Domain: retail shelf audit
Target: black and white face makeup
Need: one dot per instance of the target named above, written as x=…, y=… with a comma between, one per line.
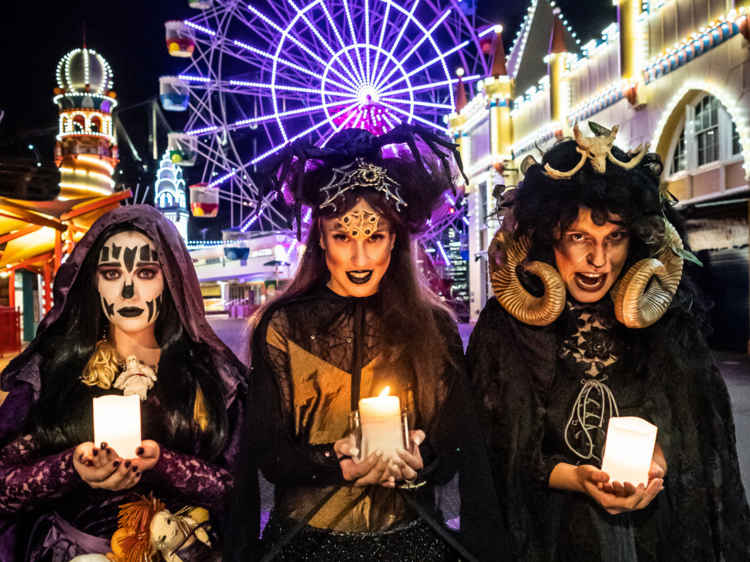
x=130, y=281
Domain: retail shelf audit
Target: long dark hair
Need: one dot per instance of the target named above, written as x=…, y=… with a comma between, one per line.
x=414, y=325
x=62, y=417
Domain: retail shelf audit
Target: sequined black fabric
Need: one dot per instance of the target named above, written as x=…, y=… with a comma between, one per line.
x=416, y=542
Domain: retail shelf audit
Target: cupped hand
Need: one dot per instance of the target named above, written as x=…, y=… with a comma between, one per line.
x=622, y=497
x=372, y=470
x=102, y=467
x=624, y=489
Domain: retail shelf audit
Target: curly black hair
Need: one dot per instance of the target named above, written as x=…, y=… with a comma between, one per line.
x=542, y=207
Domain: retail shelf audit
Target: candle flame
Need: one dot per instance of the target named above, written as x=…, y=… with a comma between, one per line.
x=385, y=392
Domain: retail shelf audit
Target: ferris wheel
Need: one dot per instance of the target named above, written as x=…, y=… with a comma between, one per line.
x=260, y=75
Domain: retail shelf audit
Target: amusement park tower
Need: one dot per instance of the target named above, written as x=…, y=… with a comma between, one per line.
x=86, y=152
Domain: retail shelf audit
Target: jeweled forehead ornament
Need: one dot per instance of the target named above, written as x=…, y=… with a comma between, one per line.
x=359, y=224
x=361, y=174
x=598, y=149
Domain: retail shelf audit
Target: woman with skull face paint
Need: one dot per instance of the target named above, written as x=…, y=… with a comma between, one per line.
x=127, y=319
x=594, y=318
x=354, y=320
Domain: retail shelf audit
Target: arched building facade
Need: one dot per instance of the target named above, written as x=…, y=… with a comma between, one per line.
x=674, y=73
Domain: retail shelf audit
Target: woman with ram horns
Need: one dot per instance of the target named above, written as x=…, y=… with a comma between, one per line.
x=594, y=317
x=355, y=320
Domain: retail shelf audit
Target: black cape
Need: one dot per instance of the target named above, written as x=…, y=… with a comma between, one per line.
x=701, y=515
x=279, y=442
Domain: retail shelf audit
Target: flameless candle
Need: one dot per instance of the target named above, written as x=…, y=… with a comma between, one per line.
x=629, y=449
x=117, y=422
x=381, y=424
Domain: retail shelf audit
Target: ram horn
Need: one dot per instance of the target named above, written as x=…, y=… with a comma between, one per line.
x=639, y=301
x=505, y=255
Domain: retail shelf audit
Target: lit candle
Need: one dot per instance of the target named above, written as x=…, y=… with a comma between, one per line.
x=117, y=422
x=381, y=424
x=629, y=449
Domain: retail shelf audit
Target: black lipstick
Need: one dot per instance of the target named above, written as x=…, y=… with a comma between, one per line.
x=359, y=277
x=130, y=311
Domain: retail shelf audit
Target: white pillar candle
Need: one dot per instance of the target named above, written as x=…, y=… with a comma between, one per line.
x=117, y=422
x=629, y=449
x=381, y=424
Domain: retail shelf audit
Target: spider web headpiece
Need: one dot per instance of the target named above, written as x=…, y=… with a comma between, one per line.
x=363, y=174
x=355, y=159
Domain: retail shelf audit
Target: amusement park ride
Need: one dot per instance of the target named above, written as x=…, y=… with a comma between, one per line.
x=261, y=75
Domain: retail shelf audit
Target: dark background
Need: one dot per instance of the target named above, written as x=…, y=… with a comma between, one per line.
x=36, y=34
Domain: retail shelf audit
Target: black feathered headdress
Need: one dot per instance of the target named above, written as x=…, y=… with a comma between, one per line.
x=412, y=180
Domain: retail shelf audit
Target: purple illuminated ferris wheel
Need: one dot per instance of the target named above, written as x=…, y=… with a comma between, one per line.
x=263, y=74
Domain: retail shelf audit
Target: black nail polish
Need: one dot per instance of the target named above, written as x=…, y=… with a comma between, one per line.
x=104, y=445
x=116, y=464
x=127, y=464
x=135, y=468
x=140, y=451
x=95, y=452
x=137, y=474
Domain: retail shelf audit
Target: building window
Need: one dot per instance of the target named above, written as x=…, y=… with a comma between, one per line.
x=679, y=158
x=707, y=130
x=736, y=145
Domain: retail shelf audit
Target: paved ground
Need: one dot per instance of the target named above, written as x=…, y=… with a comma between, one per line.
x=735, y=369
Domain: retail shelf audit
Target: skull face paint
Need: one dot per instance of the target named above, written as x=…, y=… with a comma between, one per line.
x=130, y=281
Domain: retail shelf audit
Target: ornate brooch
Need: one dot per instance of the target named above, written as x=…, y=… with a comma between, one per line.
x=361, y=173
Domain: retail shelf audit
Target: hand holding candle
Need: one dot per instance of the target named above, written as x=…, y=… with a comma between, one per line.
x=117, y=422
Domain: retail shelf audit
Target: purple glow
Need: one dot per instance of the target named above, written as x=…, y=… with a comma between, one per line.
x=438, y=58
x=256, y=217
x=422, y=103
x=201, y=131
x=433, y=85
x=400, y=35
x=415, y=47
x=380, y=41
x=321, y=39
x=466, y=221
x=354, y=40
x=290, y=64
x=341, y=41
x=417, y=117
x=193, y=78
x=442, y=252
x=222, y=179
x=302, y=134
x=301, y=111
x=296, y=41
x=199, y=28
x=289, y=88
x=488, y=30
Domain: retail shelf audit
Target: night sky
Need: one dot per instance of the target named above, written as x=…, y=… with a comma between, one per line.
x=36, y=34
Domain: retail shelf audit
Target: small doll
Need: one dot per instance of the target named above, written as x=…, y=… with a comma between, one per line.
x=149, y=532
x=136, y=379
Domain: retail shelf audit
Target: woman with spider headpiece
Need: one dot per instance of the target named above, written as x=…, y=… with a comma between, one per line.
x=354, y=320
x=594, y=318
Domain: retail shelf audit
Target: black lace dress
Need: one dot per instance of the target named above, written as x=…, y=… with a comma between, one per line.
x=313, y=359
